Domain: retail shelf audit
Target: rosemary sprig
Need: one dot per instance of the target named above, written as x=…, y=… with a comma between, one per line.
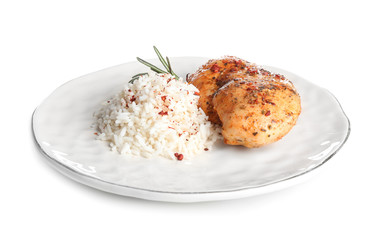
x=170, y=66
x=166, y=64
x=153, y=67
x=160, y=57
x=135, y=77
x=140, y=74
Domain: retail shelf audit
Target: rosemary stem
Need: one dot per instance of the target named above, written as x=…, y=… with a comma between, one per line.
x=170, y=68
x=161, y=58
x=150, y=65
x=139, y=74
x=166, y=64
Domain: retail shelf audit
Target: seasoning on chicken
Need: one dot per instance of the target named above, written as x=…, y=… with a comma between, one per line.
x=213, y=75
x=256, y=113
x=254, y=106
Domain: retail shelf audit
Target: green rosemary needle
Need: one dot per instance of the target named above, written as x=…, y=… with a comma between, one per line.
x=153, y=67
x=135, y=77
x=166, y=64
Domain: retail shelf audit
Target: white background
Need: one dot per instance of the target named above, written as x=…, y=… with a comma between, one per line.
x=46, y=43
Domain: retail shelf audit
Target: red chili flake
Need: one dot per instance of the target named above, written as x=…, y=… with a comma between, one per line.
x=171, y=128
x=179, y=134
x=196, y=93
x=163, y=98
x=237, y=62
x=163, y=113
x=108, y=101
x=268, y=113
x=96, y=134
x=133, y=98
x=255, y=101
x=215, y=68
x=129, y=90
x=252, y=72
x=179, y=156
x=126, y=105
x=277, y=76
x=206, y=149
x=272, y=103
x=265, y=72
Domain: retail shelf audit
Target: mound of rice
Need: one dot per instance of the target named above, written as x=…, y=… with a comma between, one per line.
x=157, y=115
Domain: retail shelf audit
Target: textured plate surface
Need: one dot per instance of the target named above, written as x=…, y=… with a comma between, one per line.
x=62, y=129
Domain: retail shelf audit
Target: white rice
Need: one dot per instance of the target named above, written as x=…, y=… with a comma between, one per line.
x=158, y=115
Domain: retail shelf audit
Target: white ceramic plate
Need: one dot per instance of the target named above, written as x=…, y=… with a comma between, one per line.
x=62, y=130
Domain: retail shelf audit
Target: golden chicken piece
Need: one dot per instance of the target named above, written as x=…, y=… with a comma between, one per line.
x=254, y=106
x=213, y=75
x=256, y=113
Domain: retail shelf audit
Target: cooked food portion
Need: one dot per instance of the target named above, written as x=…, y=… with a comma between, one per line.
x=257, y=112
x=254, y=106
x=156, y=115
x=213, y=75
x=160, y=114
